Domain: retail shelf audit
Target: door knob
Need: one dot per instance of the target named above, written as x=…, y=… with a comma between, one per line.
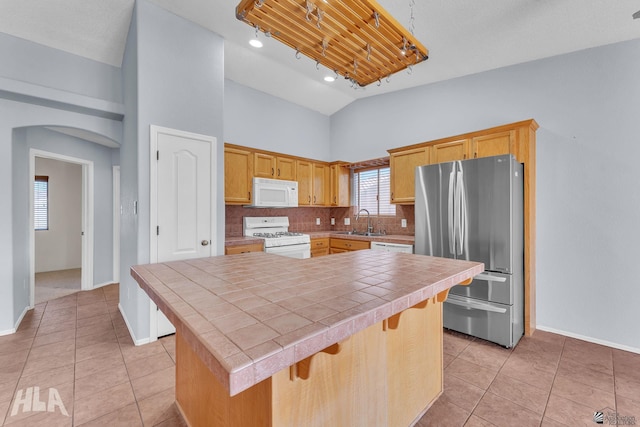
x=204, y=242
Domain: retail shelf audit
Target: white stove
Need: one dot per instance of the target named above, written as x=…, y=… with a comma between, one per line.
x=277, y=237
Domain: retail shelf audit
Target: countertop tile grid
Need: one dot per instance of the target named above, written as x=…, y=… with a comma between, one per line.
x=226, y=306
x=512, y=398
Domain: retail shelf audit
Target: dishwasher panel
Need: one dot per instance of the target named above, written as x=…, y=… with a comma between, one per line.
x=392, y=247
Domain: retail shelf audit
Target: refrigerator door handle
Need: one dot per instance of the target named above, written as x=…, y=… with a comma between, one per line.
x=460, y=208
x=474, y=305
x=450, y=212
x=489, y=277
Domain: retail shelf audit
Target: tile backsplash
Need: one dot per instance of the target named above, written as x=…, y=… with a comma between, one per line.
x=303, y=219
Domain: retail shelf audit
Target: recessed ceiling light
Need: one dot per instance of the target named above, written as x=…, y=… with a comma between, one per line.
x=255, y=43
x=329, y=79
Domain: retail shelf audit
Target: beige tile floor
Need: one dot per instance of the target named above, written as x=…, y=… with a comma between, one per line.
x=77, y=351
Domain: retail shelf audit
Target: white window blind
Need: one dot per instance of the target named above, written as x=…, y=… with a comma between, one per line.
x=373, y=191
x=41, y=203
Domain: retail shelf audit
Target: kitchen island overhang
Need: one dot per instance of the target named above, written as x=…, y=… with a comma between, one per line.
x=251, y=316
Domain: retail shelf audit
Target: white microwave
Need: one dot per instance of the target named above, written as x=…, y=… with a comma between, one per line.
x=274, y=193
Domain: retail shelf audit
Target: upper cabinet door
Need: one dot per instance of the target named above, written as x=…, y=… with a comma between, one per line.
x=264, y=165
x=238, y=174
x=320, y=184
x=403, y=173
x=450, y=151
x=286, y=168
x=339, y=185
x=494, y=144
x=305, y=182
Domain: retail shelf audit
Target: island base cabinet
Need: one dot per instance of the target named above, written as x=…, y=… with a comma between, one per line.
x=388, y=374
x=414, y=363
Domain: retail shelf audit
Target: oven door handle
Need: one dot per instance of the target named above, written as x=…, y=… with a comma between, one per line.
x=474, y=305
x=489, y=277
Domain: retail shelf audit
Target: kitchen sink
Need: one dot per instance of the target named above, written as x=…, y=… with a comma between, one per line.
x=360, y=233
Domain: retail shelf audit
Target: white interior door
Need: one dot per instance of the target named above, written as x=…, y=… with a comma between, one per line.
x=182, y=212
x=184, y=198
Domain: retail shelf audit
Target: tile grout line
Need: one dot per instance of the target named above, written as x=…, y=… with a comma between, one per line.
x=124, y=362
x=555, y=374
x=75, y=363
x=33, y=339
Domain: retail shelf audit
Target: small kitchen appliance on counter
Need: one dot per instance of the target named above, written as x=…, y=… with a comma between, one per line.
x=473, y=210
x=278, y=240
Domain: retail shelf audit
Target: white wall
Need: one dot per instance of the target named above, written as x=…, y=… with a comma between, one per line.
x=72, y=93
x=258, y=120
x=587, y=104
x=173, y=75
x=60, y=247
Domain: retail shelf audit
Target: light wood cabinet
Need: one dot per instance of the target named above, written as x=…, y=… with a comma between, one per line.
x=347, y=245
x=313, y=183
x=518, y=139
x=238, y=174
x=286, y=168
x=319, y=247
x=264, y=165
x=243, y=249
x=320, y=193
x=494, y=144
x=450, y=151
x=275, y=167
x=305, y=182
x=402, y=167
x=339, y=194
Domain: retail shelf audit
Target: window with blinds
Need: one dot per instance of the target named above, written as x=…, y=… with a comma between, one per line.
x=373, y=191
x=41, y=203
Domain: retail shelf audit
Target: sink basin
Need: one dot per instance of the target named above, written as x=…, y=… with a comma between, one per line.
x=359, y=233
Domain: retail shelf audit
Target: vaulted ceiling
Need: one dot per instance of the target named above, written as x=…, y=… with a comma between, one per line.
x=463, y=37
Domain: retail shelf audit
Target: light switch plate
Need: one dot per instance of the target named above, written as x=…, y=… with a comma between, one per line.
x=333, y=221
x=317, y=221
x=403, y=223
x=347, y=221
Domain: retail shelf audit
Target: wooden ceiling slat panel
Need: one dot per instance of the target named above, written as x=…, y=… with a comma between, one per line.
x=347, y=27
x=308, y=34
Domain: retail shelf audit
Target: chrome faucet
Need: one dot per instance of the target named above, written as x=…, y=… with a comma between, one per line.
x=369, y=226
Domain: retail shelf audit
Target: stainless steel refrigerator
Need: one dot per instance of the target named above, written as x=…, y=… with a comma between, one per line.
x=473, y=210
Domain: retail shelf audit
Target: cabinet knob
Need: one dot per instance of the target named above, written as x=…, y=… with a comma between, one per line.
x=272, y=171
x=314, y=200
x=278, y=171
x=391, y=196
x=204, y=243
x=309, y=198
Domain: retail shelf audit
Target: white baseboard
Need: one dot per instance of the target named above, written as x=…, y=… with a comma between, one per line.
x=100, y=285
x=17, y=324
x=589, y=339
x=136, y=342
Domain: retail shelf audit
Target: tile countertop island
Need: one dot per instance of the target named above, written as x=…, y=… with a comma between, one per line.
x=249, y=326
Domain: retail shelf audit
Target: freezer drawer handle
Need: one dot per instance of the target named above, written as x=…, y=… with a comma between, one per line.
x=489, y=277
x=474, y=305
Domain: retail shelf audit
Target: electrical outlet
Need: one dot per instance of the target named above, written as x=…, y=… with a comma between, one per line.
x=403, y=223
x=333, y=221
x=347, y=221
x=317, y=221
